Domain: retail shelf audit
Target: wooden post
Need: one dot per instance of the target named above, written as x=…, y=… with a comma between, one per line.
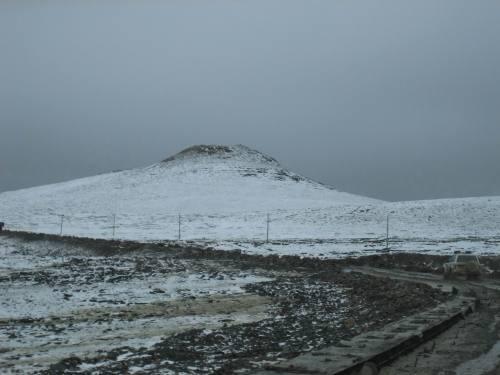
x=114, y=225
x=179, y=234
x=61, y=229
x=267, y=229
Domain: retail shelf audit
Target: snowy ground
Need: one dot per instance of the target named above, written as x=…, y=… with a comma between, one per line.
x=440, y=226
x=57, y=301
x=67, y=308
x=62, y=305
x=224, y=195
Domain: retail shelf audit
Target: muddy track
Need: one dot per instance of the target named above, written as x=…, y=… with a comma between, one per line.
x=467, y=348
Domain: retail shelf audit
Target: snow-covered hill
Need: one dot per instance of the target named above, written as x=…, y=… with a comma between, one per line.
x=224, y=194
x=198, y=180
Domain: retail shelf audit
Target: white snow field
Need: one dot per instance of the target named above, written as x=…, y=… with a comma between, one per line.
x=224, y=194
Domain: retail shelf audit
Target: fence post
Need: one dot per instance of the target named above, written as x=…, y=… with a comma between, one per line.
x=179, y=234
x=267, y=229
x=61, y=228
x=387, y=234
x=114, y=225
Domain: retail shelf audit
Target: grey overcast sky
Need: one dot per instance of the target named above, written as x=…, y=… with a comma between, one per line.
x=392, y=99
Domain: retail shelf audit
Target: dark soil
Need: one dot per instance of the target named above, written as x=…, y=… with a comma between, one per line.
x=404, y=261
x=319, y=308
x=309, y=313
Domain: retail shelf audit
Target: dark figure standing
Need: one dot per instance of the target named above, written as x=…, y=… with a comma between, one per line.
x=1, y=226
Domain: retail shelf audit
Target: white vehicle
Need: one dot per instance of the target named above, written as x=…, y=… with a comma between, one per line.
x=467, y=265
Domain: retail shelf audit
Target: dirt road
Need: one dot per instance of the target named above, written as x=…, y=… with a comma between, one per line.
x=471, y=347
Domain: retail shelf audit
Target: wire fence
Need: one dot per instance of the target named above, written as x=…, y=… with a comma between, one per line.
x=257, y=226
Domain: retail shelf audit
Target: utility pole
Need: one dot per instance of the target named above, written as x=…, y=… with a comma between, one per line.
x=387, y=234
x=267, y=229
x=179, y=235
x=61, y=229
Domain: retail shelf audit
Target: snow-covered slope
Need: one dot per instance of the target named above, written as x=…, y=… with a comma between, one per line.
x=224, y=194
x=201, y=180
x=198, y=180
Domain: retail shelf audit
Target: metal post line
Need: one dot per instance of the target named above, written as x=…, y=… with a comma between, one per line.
x=61, y=229
x=179, y=234
x=267, y=229
x=387, y=234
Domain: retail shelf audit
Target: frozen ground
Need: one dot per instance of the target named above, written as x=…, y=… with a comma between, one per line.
x=57, y=301
x=66, y=309
x=224, y=195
